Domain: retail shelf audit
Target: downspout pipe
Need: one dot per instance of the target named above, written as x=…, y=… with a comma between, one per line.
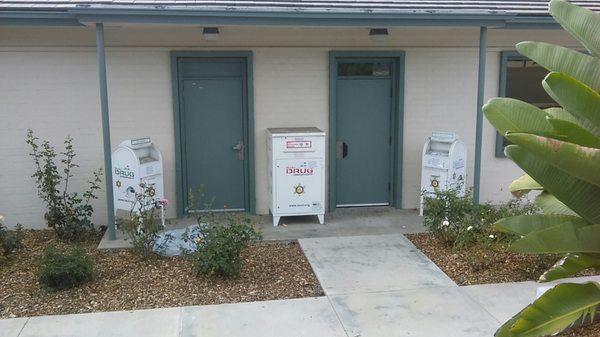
x=110, y=206
x=483, y=40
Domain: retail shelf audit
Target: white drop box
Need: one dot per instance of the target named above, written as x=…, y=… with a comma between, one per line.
x=443, y=165
x=296, y=158
x=136, y=161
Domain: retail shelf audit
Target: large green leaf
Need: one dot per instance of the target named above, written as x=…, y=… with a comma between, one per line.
x=555, y=310
x=512, y=115
x=550, y=205
x=525, y=224
x=564, y=238
x=570, y=265
x=581, y=162
x=523, y=185
x=582, y=197
x=560, y=113
x=583, y=67
x=574, y=133
x=504, y=330
x=582, y=23
x=574, y=96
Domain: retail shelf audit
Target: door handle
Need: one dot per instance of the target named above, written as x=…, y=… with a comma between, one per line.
x=341, y=150
x=239, y=147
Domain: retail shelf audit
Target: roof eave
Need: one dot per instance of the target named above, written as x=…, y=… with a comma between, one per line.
x=81, y=16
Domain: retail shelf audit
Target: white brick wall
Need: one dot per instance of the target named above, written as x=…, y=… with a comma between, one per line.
x=291, y=88
x=440, y=94
x=54, y=90
x=56, y=94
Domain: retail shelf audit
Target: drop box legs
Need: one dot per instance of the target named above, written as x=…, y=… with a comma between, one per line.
x=277, y=218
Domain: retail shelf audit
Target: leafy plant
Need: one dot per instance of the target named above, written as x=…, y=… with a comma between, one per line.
x=198, y=201
x=219, y=246
x=69, y=213
x=458, y=222
x=559, y=150
x=64, y=269
x=143, y=225
x=10, y=240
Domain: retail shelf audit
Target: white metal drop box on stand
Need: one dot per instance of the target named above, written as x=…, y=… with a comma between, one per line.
x=443, y=165
x=136, y=161
x=296, y=158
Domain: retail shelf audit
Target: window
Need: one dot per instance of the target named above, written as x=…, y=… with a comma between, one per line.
x=521, y=78
x=364, y=69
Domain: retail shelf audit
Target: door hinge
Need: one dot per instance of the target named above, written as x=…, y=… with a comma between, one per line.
x=390, y=140
x=389, y=187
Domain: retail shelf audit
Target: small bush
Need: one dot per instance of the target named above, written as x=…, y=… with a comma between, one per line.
x=457, y=222
x=10, y=240
x=68, y=213
x=143, y=225
x=219, y=247
x=64, y=269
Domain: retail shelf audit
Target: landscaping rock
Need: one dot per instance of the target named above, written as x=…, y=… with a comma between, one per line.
x=177, y=242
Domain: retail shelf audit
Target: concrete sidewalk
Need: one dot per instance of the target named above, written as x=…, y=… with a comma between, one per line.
x=342, y=222
x=307, y=317
x=384, y=286
x=504, y=300
x=375, y=286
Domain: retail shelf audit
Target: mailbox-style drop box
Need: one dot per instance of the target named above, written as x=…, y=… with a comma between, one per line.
x=444, y=165
x=295, y=172
x=135, y=162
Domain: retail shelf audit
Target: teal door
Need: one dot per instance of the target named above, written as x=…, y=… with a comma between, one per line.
x=364, y=139
x=214, y=141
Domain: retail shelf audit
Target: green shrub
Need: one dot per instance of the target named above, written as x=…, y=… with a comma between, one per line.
x=64, y=269
x=455, y=220
x=11, y=240
x=143, y=225
x=445, y=213
x=219, y=246
x=68, y=213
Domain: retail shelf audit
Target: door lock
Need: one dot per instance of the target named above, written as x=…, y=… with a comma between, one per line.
x=239, y=147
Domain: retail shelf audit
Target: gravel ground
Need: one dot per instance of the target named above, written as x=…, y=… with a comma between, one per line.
x=481, y=265
x=125, y=282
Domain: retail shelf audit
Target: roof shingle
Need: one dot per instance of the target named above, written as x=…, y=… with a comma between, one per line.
x=515, y=7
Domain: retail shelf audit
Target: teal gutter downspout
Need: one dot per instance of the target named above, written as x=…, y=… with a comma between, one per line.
x=479, y=121
x=110, y=206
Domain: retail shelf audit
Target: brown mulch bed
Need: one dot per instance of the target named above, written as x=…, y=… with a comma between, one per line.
x=586, y=331
x=478, y=264
x=124, y=281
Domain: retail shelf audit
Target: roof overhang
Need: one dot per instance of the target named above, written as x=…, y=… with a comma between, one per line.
x=83, y=16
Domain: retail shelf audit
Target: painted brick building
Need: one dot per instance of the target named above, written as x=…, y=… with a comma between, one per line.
x=285, y=58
